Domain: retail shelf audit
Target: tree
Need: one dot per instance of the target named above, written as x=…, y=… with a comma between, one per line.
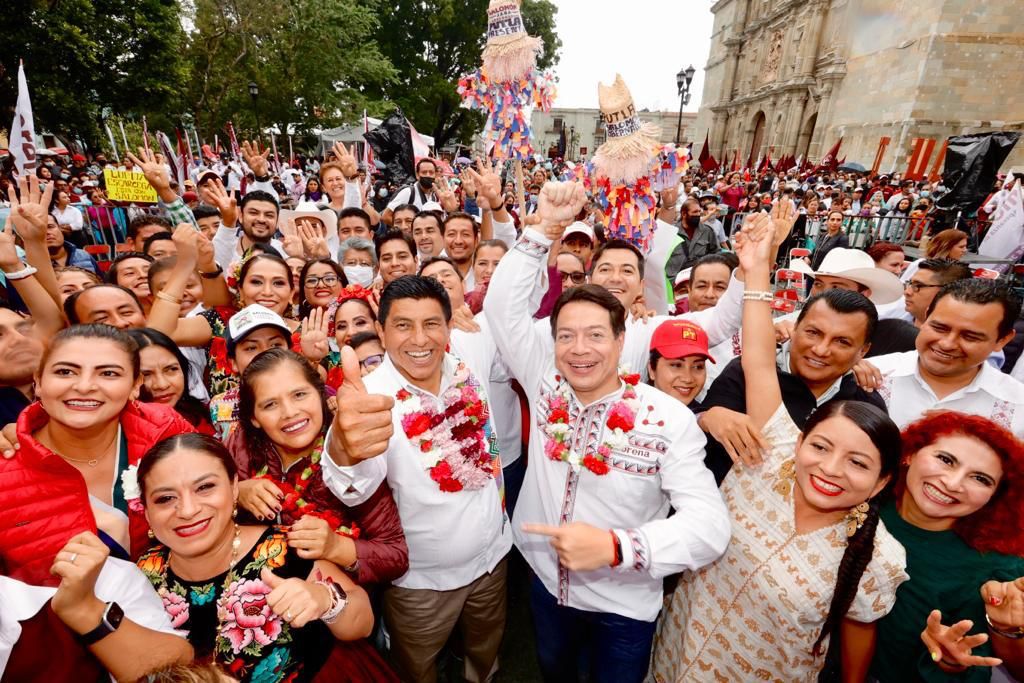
x=432, y=44
x=314, y=63
x=83, y=55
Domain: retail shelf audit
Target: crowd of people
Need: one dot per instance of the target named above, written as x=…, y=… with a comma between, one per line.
x=302, y=422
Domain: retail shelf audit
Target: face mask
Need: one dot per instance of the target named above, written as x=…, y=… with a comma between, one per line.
x=382, y=192
x=692, y=221
x=925, y=193
x=359, y=275
x=508, y=207
x=426, y=183
x=64, y=176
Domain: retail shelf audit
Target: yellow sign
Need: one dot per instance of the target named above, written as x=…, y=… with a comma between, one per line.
x=128, y=186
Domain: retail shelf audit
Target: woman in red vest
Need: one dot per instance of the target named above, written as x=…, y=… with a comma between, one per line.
x=79, y=447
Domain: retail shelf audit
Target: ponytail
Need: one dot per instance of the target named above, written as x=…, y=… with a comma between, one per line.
x=859, y=549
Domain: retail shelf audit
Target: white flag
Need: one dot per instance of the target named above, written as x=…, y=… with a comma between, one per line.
x=23, y=131
x=1005, y=239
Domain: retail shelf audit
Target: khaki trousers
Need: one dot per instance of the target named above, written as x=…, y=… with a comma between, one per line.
x=420, y=621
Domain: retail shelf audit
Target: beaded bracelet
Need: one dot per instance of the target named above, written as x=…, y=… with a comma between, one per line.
x=759, y=296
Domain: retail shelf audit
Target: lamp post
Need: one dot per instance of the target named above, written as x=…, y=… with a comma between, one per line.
x=683, y=80
x=254, y=93
x=572, y=141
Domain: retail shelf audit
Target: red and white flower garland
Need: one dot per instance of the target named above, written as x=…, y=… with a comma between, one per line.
x=454, y=444
x=620, y=420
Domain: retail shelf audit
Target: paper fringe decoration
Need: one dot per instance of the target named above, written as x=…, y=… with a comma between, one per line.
x=627, y=158
x=511, y=61
x=508, y=105
x=673, y=163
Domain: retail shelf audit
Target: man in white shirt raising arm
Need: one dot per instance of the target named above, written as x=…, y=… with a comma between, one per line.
x=607, y=458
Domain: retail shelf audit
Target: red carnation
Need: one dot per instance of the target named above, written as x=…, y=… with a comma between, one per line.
x=631, y=380
x=559, y=415
x=425, y=446
x=415, y=425
x=620, y=421
x=441, y=470
x=450, y=485
x=598, y=467
x=403, y=395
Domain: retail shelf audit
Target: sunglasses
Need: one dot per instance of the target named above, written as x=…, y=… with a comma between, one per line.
x=577, y=278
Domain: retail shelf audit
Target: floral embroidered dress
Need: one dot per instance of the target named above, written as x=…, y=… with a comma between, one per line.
x=229, y=621
x=755, y=613
x=220, y=376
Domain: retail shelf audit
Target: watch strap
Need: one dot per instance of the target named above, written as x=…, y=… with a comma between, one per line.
x=110, y=622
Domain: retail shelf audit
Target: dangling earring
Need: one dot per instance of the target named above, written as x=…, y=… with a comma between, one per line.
x=234, y=512
x=787, y=475
x=151, y=534
x=855, y=518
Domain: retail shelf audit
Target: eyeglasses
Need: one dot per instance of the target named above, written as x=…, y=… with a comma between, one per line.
x=371, y=362
x=917, y=286
x=577, y=277
x=328, y=280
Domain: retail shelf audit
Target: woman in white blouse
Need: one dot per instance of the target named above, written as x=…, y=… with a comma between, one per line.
x=809, y=561
x=69, y=218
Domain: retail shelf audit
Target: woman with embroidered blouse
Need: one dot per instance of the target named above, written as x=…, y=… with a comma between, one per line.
x=809, y=561
x=247, y=600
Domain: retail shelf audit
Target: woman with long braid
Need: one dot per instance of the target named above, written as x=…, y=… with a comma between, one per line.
x=809, y=561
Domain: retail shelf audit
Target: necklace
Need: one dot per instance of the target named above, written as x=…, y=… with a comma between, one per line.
x=92, y=462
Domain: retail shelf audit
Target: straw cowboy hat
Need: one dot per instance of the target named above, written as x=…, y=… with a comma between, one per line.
x=631, y=144
x=308, y=210
x=510, y=52
x=856, y=265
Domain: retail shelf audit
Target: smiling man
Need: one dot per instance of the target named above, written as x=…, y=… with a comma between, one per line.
x=258, y=212
x=395, y=255
x=968, y=321
x=461, y=235
x=428, y=234
x=450, y=501
x=607, y=460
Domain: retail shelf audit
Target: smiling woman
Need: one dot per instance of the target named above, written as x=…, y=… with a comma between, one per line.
x=87, y=430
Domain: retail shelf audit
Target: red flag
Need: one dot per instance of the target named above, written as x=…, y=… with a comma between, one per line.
x=736, y=161
x=766, y=163
x=829, y=163
x=186, y=157
x=236, y=152
x=707, y=162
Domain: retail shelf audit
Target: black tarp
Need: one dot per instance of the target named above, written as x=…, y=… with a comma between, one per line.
x=392, y=146
x=972, y=162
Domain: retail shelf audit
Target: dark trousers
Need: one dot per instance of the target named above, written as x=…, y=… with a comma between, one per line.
x=514, y=475
x=618, y=648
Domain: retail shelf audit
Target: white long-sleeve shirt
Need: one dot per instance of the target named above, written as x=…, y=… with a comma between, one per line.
x=662, y=465
x=453, y=538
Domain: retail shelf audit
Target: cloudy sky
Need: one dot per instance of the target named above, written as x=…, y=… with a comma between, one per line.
x=647, y=41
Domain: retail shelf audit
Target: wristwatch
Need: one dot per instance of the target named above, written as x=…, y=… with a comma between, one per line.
x=110, y=622
x=261, y=179
x=212, y=274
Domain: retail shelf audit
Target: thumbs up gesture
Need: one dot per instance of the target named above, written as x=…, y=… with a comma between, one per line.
x=362, y=426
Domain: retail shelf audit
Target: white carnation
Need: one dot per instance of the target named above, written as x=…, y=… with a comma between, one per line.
x=130, y=482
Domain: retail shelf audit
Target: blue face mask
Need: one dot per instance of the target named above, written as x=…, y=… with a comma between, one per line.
x=925, y=193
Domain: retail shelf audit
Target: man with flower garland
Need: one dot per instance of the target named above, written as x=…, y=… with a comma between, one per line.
x=608, y=458
x=439, y=454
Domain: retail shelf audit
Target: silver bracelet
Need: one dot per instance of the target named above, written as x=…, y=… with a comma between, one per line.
x=338, y=601
x=1016, y=634
x=759, y=296
x=27, y=271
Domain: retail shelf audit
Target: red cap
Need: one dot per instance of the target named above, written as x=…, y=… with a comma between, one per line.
x=78, y=157
x=680, y=338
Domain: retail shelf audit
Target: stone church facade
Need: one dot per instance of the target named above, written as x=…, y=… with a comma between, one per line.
x=793, y=76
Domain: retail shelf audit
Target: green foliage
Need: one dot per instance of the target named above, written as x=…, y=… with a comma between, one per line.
x=432, y=44
x=313, y=62
x=84, y=55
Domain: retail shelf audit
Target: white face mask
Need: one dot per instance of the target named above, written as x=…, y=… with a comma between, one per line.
x=359, y=275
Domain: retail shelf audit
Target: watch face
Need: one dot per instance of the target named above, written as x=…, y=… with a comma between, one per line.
x=113, y=616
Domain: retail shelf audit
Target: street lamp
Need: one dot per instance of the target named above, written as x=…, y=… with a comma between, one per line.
x=254, y=93
x=683, y=80
x=572, y=140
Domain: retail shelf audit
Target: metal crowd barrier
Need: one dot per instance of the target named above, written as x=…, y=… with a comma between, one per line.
x=108, y=225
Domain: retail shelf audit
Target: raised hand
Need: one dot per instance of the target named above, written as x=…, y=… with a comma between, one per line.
x=558, y=205
x=314, y=238
x=580, y=547
x=313, y=338
x=154, y=169
x=78, y=565
x=753, y=242
x=487, y=182
x=1004, y=603
x=950, y=646
x=446, y=195
x=256, y=160
x=206, y=259
x=783, y=217
x=292, y=243
x=468, y=184
x=185, y=237
x=215, y=194
x=362, y=426
x=462, y=319
x=346, y=158
x=30, y=211
x=9, y=261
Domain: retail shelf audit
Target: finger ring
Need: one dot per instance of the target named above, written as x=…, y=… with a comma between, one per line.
x=74, y=556
x=287, y=616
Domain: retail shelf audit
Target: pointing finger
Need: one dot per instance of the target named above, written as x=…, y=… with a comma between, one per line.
x=542, y=530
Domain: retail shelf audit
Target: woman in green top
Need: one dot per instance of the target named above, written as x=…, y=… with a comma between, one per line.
x=958, y=513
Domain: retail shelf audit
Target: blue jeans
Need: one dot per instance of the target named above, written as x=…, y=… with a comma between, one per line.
x=618, y=648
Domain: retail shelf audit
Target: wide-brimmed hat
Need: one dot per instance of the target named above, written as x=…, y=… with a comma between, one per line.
x=510, y=51
x=308, y=210
x=856, y=265
x=626, y=155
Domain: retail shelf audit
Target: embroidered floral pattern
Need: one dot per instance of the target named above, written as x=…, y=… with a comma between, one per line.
x=245, y=616
x=457, y=449
x=620, y=420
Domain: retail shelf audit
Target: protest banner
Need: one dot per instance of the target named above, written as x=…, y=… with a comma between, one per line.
x=128, y=186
